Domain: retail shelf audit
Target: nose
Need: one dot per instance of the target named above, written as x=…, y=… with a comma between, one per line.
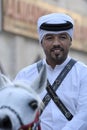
x=56, y=41
x=5, y=123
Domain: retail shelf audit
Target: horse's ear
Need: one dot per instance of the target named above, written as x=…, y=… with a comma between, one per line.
x=41, y=81
x=3, y=80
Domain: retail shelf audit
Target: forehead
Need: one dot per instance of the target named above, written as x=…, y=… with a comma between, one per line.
x=59, y=34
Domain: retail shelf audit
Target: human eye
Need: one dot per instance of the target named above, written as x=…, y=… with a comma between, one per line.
x=62, y=37
x=48, y=37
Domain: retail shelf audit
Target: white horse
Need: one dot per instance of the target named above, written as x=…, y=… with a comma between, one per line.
x=20, y=103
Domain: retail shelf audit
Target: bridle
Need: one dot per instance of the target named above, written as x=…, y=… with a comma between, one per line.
x=13, y=111
x=35, y=125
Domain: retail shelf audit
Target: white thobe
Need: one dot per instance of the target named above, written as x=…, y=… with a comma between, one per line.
x=72, y=92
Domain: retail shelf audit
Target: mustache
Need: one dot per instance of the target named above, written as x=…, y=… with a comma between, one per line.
x=57, y=47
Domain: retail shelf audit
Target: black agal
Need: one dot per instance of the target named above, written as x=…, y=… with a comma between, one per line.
x=56, y=27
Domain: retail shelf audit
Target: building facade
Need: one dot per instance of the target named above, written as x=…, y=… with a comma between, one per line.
x=19, y=45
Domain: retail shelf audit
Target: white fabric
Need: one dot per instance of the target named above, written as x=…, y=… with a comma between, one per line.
x=54, y=18
x=72, y=92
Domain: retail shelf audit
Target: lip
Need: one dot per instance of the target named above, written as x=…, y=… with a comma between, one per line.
x=57, y=52
x=57, y=49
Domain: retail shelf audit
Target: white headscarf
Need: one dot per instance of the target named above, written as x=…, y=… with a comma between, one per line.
x=54, y=18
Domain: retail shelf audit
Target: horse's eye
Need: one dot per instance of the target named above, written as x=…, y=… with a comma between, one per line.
x=33, y=104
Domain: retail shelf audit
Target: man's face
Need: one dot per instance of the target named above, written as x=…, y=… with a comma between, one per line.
x=56, y=47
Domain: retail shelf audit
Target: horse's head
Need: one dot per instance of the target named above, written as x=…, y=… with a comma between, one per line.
x=20, y=103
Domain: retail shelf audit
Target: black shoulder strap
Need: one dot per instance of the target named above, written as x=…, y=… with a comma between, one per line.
x=57, y=82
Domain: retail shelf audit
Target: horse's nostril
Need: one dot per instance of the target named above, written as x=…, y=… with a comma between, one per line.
x=5, y=123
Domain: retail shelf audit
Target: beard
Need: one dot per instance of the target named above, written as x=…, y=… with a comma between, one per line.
x=58, y=59
x=58, y=54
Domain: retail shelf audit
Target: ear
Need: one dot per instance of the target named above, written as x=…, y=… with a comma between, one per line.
x=4, y=80
x=41, y=81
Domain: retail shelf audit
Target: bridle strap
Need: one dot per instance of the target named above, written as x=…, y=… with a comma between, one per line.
x=12, y=110
x=35, y=125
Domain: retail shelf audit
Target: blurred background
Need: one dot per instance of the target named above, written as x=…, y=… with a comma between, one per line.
x=19, y=45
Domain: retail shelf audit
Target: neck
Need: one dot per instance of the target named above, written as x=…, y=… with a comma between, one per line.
x=54, y=63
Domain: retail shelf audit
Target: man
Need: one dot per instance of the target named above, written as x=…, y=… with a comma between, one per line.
x=55, y=35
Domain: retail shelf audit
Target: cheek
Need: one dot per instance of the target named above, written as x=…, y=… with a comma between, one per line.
x=46, y=46
x=46, y=49
x=68, y=45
